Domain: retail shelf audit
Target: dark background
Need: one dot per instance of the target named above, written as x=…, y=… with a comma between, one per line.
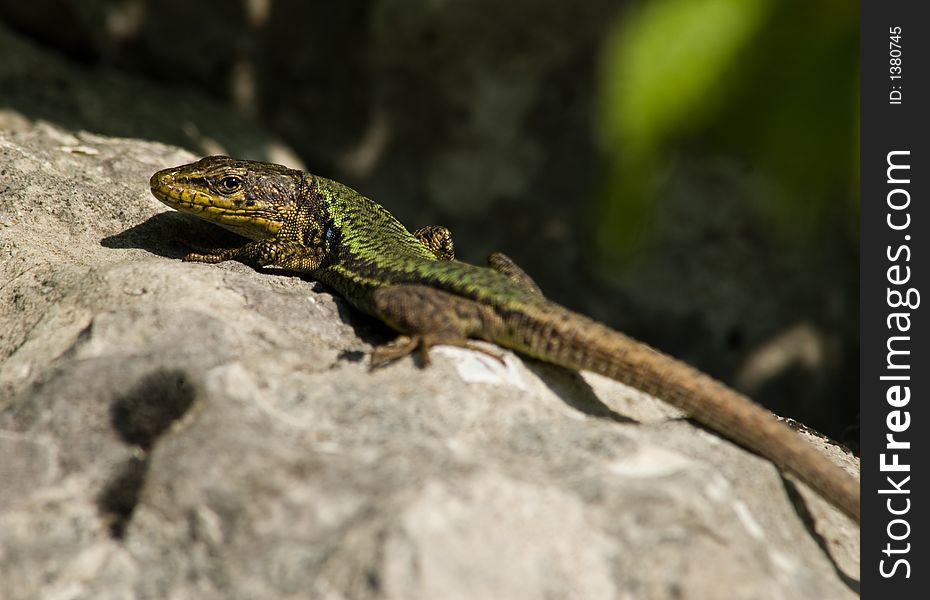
x=684, y=170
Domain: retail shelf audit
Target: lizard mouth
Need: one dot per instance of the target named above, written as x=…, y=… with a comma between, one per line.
x=252, y=222
x=165, y=187
x=190, y=199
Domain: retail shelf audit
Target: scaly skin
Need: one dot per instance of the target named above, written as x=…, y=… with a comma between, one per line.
x=410, y=281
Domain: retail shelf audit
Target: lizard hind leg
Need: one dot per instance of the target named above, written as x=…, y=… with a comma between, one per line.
x=426, y=317
x=502, y=263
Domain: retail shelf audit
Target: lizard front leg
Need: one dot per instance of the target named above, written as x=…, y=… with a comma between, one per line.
x=502, y=263
x=438, y=240
x=279, y=253
x=427, y=317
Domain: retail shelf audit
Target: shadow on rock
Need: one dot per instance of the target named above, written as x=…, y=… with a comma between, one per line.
x=140, y=416
x=173, y=235
x=571, y=387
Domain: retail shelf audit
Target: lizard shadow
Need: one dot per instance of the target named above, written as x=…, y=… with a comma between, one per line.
x=366, y=328
x=807, y=518
x=572, y=389
x=164, y=234
x=800, y=505
x=577, y=393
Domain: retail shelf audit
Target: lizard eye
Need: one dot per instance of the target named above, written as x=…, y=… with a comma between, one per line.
x=230, y=184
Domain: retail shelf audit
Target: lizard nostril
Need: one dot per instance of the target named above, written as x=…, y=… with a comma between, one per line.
x=159, y=179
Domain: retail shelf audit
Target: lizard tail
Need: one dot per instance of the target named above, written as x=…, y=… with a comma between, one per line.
x=574, y=341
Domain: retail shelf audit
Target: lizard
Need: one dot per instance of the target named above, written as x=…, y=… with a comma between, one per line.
x=411, y=281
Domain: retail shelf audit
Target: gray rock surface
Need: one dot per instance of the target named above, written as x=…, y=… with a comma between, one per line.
x=175, y=430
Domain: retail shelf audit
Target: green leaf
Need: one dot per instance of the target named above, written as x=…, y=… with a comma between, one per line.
x=665, y=66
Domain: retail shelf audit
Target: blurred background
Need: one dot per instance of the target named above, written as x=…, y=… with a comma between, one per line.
x=684, y=170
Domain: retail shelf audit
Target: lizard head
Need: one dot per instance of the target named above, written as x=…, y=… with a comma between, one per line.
x=250, y=198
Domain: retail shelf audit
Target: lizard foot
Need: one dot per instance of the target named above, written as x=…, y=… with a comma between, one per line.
x=211, y=258
x=396, y=349
x=404, y=345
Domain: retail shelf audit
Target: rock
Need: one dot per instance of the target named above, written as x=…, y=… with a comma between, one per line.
x=174, y=430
